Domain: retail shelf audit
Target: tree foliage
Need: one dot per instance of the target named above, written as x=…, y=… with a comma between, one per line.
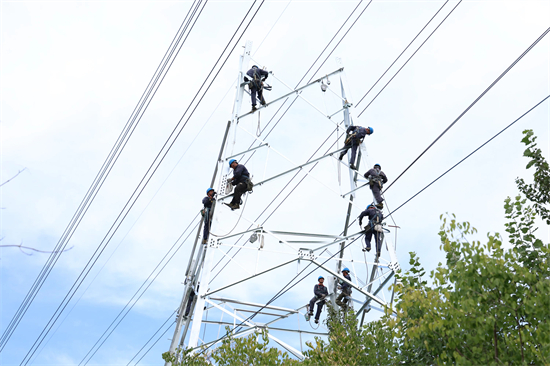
x=489, y=304
x=235, y=351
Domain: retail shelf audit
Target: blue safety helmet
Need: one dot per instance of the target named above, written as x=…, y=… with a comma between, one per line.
x=371, y=130
x=345, y=269
x=369, y=206
x=320, y=278
x=232, y=161
x=377, y=165
x=255, y=67
x=208, y=190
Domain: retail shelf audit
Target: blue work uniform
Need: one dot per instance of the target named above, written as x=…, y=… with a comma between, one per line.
x=375, y=217
x=257, y=76
x=376, y=179
x=320, y=291
x=346, y=291
x=357, y=134
x=240, y=175
x=207, y=202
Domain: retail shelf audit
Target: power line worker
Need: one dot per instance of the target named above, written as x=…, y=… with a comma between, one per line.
x=346, y=290
x=373, y=227
x=354, y=136
x=206, y=212
x=257, y=76
x=320, y=292
x=376, y=179
x=241, y=181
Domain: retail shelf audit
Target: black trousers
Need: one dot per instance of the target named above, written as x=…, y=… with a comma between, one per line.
x=353, y=145
x=377, y=241
x=240, y=189
x=206, y=230
x=259, y=91
x=319, y=306
x=375, y=188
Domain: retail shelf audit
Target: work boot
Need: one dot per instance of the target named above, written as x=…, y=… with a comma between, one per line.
x=254, y=109
x=377, y=255
x=204, y=241
x=367, y=249
x=380, y=205
x=353, y=167
x=316, y=321
x=262, y=102
x=341, y=156
x=235, y=206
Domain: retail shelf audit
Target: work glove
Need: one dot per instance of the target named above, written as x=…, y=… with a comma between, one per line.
x=361, y=223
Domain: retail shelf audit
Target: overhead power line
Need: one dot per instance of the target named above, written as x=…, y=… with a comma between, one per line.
x=104, y=171
x=126, y=309
x=146, y=178
x=402, y=52
x=470, y=154
x=472, y=104
x=406, y=62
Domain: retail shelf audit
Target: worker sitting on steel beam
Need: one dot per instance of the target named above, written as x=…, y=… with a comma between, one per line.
x=320, y=292
x=257, y=76
x=206, y=212
x=354, y=136
x=373, y=227
x=376, y=179
x=346, y=290
x=241, y=181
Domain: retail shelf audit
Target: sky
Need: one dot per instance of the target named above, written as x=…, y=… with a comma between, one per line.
x=73, y=71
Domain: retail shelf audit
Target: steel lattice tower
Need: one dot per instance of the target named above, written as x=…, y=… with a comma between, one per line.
x=248, y=261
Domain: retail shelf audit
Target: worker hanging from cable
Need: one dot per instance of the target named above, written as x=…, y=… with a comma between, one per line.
x=376, y=179
x=241, y=181
x=354, y=136
x=256, y=85
x=374, y=226
x=206, y=212
x=320, y=292
x=342, y=299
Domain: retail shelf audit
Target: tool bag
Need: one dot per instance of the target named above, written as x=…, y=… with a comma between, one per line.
x=249, y=185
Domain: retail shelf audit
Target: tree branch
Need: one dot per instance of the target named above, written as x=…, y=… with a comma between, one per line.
x=19, y=172
x=36, y=250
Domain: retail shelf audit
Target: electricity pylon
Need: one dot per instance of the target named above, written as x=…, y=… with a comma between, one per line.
x=244, y=259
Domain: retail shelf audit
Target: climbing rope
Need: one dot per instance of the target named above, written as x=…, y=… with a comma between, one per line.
x=241, y=214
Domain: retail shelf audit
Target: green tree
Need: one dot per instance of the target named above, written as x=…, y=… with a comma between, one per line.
x=488, y=304
x=348, y=345
x=235, y=351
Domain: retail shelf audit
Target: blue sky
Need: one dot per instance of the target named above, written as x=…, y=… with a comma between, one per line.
x=72, y=73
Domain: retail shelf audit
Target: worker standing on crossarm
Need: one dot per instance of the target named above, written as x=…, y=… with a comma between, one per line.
x=373, y=227
x=341, y=300
x=354, y=136
x=376, y=179
x=241, y=181
x=256, y=76
x=320, y=292
x=206, y=212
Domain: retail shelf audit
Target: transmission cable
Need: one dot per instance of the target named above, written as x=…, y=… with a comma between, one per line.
x=402, y=52
x=303, y=77
x=473, y=103
x=146, y=343
x=120, y=314
x=406, y=62
x=94, y=187
x=279, y=294
x=470, y=154
x=152, y=172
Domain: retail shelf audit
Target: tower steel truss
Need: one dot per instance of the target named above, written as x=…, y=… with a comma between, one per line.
x=274, y=250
